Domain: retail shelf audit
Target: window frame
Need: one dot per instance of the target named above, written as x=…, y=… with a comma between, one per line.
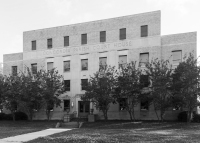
x=122, y=34
x=14, y=71
x=144, y=31
x=66, y=41
x=83, y=80
x=65, y=108
x=146, y=83
x=33, y=45
x=66, y=68
x=82, y=65
x=145, y=107
x=176, y=60
x=49, y=43
x=124, y=64
x=47, y=66
x=67, y=85
x=83, y=39
x=34, y=71
x=142, y=64
x=102, y=36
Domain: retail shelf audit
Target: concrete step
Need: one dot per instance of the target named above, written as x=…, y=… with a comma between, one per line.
x=69, y=125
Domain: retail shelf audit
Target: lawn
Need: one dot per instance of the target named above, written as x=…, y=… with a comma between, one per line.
x=10, y=128
x=127, y=132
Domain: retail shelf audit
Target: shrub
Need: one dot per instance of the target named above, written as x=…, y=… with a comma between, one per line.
x=21, y=116
x=182, y=116
x=2, y=116
x=8, y=117
x=196, y=118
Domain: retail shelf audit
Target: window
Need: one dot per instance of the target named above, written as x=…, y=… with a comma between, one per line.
x=144, y=31
x=122, y=104
x=103, y=61
x=33, y=45
x=66, y=41
x=83, y=39
x=14, y=70
x=49, y=43
x=84, y=83
x=66, y=105
x=103, y=36
x=84, y=64
x=144, y=58
x=66, y=66
x=34, y=68
x=49, y=66
x=144, y=80
x=67, y=85
x=144, y=105
x=177, y=56
x=122, y=34
x=122, y=61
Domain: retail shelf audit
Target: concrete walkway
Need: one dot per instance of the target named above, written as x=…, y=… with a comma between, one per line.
x=30, y=136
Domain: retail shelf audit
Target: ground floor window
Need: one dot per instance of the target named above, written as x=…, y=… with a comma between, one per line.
x=144, y=105
x=122, y=104
x=66, y=105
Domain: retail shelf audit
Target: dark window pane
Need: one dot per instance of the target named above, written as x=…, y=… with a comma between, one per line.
x=66, y=105
x=144, y=31
x=84, y=83
x=33, y=45
x=144, y=105
x=103, y=36
x=14, y=70
x=144, y=58
x=49, y=43
x=66, y=66
x=67, y=85
x=34, y=68
x=66, y=41
x=177, y=57
x=84, y=64
x=122, y=34
x=83, y=39
x=122, y=61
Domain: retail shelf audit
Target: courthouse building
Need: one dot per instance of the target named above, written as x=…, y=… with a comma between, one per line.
x=77, y=50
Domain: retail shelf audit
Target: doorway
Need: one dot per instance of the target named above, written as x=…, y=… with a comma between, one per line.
x=83, y=108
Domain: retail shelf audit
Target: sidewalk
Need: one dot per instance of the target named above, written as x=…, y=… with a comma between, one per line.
x=30, y=136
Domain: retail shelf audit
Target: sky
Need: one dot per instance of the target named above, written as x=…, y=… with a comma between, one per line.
x=17, y=16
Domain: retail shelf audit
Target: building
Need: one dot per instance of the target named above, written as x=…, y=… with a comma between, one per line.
x=1, y=69
x=76, y=51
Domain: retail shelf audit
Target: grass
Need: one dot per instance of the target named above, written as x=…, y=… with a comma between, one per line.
x=127, y=132
x=10, y=128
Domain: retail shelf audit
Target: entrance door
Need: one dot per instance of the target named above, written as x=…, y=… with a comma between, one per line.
x=83, y=108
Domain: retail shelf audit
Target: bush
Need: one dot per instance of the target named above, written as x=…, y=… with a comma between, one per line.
x=2, y=116
x=21, y=116
x=182, y=116
x=8, y=117
x=196, y=118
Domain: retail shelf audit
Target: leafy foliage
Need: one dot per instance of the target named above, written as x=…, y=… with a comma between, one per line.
x=99, y=89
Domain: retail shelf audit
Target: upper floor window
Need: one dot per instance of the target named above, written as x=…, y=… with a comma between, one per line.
x=122, y=33
x=66, y=66
x=144, y=31
x=83, y=39
x=49, y=43
x=84, y=64
x=103, y=61
x=122, y=60
x=144, y=58
x=67, y=85
x=49, y=66
x=33, y=45
x=122, y=104
x=14, y=70
x=103, y=36
x=177, y=56
x=66, y=41
x=34, y=68
x=84, y=83
x=66, y=105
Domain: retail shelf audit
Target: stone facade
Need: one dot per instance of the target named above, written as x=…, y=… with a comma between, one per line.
x=132, y=46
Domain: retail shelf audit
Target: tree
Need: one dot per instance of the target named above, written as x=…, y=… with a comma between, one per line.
x=12, y=93
x=129, y=87
x=186, y=84
x=31, y=99
x=2, y=88
x=52, y=86
x=99, y=89
x=160, y=75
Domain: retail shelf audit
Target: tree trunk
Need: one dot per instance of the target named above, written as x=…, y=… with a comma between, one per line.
x=105, y=115
x=48, y=114
x=156, y=111
x=130, y=113
x=13, y=115
x=162, y=111
x=189, y=116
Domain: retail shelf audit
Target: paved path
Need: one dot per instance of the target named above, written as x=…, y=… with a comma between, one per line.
x=31, y=136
